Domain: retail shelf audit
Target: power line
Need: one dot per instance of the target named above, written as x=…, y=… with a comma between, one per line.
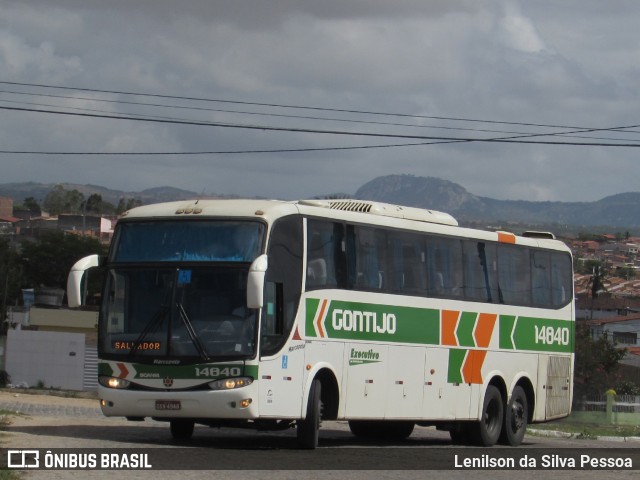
x=291, y=106
x=243, y=112
x=516, y=139
x=304, y=117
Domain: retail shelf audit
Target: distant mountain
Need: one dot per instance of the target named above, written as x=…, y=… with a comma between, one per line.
x=622, y=210
x=19, y=191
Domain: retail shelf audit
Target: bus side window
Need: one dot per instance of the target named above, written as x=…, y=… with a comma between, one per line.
x=514, y=275
x=541, y=279
x=273, y=321
x=371, y=258
x=444, y=267
x=480, y=271
x=407, y=262
x=325, y=255
x=561, y=280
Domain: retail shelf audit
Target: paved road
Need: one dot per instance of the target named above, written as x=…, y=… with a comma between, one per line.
x=52, y=422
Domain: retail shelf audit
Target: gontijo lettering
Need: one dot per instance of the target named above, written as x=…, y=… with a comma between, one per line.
x=361, y=321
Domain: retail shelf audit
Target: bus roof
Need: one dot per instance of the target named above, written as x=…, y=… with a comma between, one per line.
x=265, y=207
x=360, y=211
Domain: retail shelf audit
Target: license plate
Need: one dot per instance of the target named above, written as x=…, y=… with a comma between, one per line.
x=168, y=405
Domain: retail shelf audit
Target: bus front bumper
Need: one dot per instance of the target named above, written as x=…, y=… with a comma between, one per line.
x=241, y=403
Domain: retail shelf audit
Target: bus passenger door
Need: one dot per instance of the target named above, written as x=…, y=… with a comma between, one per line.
x=281, y=371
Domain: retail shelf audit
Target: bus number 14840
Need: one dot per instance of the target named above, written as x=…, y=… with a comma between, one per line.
x=552, y=335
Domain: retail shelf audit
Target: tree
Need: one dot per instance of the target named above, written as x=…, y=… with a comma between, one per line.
x=95, y=205
x=59, y=200
x=127, y=204
x=31, y=204
x=10, y=278
x=47, y=261
x=596, y=363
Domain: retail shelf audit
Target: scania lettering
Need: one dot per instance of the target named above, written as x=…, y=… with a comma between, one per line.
x=272, y=314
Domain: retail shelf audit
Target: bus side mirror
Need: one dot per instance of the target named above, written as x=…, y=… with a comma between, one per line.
x=255, y=282
x=75, y=290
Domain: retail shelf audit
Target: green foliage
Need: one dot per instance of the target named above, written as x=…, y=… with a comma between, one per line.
x=31, y=203
x=96, y=206
x=127, y=204
x=5, y=378
x=628, y=388
x=596, y=364
x=59, y=200
x=11, y=276
x=47, y=261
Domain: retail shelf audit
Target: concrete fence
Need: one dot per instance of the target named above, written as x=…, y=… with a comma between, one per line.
x=609, y=409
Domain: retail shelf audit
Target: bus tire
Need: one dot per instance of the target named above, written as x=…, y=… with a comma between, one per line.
x=308, y=429
x=487, y=430
x=181, y=429
x=515, y=418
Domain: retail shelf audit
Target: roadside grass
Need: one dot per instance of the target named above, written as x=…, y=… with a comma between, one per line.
x=10, y=475
x=5, y=421
x=5, y=418
x=589, y=430
x=55, y=392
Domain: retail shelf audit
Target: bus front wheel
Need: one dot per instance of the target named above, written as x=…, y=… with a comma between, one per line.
x=308, y=429
x=181, y=429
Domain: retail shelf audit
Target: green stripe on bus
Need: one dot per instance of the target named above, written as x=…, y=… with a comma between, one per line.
x=312, y=308
x=105, y=369
x=372, y=322
x=465, y=329
x=506, y=328
x=336, y=319
x=544, y=335
x=456, y=359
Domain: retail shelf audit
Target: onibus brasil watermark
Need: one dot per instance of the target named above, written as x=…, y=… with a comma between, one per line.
x=50, y=460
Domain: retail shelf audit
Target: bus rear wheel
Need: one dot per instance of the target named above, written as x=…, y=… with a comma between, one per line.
x=515, y=418
x=308, y=429
x=487, y=430
x=181, y=429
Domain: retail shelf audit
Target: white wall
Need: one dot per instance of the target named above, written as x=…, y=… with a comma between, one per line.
x=55, y=358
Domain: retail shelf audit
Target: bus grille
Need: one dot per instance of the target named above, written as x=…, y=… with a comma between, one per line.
x=350, y=206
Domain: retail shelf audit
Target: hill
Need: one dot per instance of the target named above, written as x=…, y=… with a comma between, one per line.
x=617, y=211
x=19, y=191
x=622, y=210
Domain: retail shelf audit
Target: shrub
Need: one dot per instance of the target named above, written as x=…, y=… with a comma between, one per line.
x=5, y=378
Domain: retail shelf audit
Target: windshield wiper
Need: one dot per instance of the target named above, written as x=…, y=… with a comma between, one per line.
x=156, y=320
x=192, y=333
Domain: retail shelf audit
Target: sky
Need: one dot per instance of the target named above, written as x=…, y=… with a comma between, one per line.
x=295, y=99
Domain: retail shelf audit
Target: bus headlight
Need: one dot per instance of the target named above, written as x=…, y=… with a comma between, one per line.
x=230, y=383
x=113, y=382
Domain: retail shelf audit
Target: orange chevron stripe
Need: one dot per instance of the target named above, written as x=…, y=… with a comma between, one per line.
x=484, y=329
x=321, y=318
x=471, y=370
x=449, y=323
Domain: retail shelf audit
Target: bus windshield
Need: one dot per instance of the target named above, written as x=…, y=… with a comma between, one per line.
x=192, y=314
x=182, y=241
x=177, y=289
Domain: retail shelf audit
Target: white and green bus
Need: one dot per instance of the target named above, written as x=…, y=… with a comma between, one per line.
x=273, y=314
